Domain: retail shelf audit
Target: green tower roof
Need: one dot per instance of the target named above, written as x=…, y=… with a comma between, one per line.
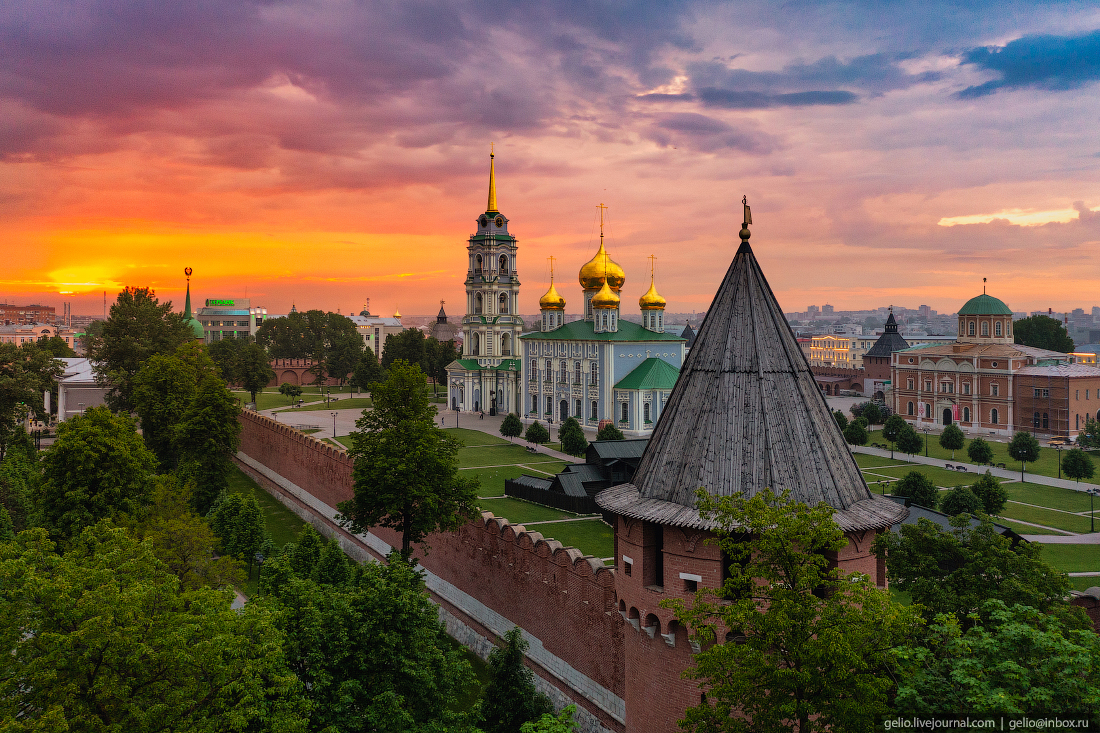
x=190, y=320
x=985, y=305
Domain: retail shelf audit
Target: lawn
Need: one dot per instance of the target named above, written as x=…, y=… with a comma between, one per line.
x=938, y=476
x=492, y=479
x=282, y=524
x=1047, y=465
x=1084, y=583
x=465, y=702
x=347, y=403
x=864, y=460
x=1047, y=517
x=592, y=537
x=517, y=511
x=475, y=437
x=1074, y=558
x=500, y=455
x=1025, y=528
x=1053, y=497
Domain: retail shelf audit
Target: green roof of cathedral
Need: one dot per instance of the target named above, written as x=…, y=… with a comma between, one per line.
x=586, y=331
x=192, y=322
x=653, y=373
x=985, y=305
x=506, y=365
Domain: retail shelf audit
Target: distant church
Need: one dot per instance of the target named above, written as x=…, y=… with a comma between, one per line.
x=600, y=368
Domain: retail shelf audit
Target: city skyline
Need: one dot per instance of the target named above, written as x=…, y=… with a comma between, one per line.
x=327, y=154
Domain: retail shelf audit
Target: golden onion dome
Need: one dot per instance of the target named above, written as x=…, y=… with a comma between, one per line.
x=651, y=300
x=601, y=269
x=606, y=298
x=552, y=300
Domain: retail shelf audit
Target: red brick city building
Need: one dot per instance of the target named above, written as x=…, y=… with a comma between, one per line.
x=988, y=384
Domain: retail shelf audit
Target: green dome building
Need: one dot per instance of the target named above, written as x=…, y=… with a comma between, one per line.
x=188, y=318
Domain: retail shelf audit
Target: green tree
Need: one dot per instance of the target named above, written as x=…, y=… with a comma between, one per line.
x=989, y=491
x=572, y=437
x=960, y=500
x=287, y=337
x=439, y=355
x=549, y=723
x=98, y=468
x=305, y=555
x=1090, y=436
x=26, y=373
x=892, y=429
x=979, y=452
x=815, y=646
x=117, y=646
x=841, y=420
x=181, y=540
x=952, y=439
x=909, y=442
x=610, y=432
x=332, y=566
x=511, y=426
x=1042, y=332
x=855, y=433
x=139, y=326
x=372, y=653
x=536, y=433
x=1023, y=448
x=290, y=391
x=1019, y=662
x=367, y=370
x=253, y=369
x=406, y=469
x=225, y=354
x=1077, y=465
x=56, y=347
x=409, y=345
x=919, y=489
x=510, y=698
x=207, y=437
x=163, y=389
x=343, y=346
x=20, y=473
x=872, y=413
x=956, y=571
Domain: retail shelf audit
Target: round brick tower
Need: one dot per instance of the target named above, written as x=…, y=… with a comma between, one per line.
x=745, y=415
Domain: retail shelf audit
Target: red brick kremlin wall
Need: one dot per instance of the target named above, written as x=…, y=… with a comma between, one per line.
x=564, y=599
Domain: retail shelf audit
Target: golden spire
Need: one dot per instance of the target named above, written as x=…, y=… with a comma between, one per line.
x=606, y=298
x=652, y=299
x=492, y=181
x=552, y=300
x=396, y=313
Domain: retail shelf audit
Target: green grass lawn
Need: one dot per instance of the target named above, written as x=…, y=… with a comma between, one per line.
x=1074, y=559
x=1053, y=497
x=492, y=479
x=864, y=460
x=1047, y=517
x=347, y=403
x=1047, y=465
x=938, y=476
x=592, y=537
x=465, y=702
x=476, y=437
x=1024, y=528
x=282, y=524
x=517, y=511
x=500, y=455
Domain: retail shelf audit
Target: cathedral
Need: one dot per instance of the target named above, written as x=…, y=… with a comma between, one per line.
x=599, y=369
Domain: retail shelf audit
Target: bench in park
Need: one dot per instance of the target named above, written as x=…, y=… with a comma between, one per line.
x=961, y=468
x=532, y=449
x=1000, y=465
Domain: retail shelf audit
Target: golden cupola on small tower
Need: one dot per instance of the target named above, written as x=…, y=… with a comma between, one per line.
x=652, y=304
x=598, y=273
x=605, y=307
x=552, y=305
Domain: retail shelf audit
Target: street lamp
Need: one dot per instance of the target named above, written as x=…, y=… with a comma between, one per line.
x=1059, y=449
x=1092, y=494
x=333, y=425
x=926, y=429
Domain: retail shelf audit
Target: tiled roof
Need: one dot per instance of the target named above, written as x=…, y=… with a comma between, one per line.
x=585, y=331
x=1061, y=370
x=652, y=373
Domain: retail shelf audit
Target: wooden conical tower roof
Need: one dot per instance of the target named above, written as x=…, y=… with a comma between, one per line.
x=745, y=415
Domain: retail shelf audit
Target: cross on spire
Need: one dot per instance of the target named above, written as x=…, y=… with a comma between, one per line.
x=602, y=208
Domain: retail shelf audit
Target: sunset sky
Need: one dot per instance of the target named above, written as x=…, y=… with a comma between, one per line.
x=325, y=152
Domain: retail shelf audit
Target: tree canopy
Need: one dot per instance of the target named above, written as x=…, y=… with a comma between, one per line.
x=990, y=493
x=367, y=370
x=510, y=699
x=813, y=647
x=979, y=451
x=1077, y=465
x=960, y=500
x=536, y=433
x=908, y=441
x=855, y=433
x=511, y=426
x=1023, y=448
x=98, y=468
x=841, y=420
x=572, y=437
x=952, y=439
x=102, y=638
x=207, y=437
x=406, y=469
x=138, y=327
x=27, y=372
x=610, y=432
x=1042, y=332
x=956, y=571
x=919, y=489
x=410, y=345
x=892, y=429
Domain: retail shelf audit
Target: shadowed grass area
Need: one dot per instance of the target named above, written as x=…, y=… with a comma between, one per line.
x=347, y=403
x=500, y=455
x=864, y=460
x=1074, y=558
x=492, y=479
x=517, y=511
x=282, y=524
x=592, y=537
x=1054, y=497
x=1025, y=528
x=1084, y=583
x=938, y=476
